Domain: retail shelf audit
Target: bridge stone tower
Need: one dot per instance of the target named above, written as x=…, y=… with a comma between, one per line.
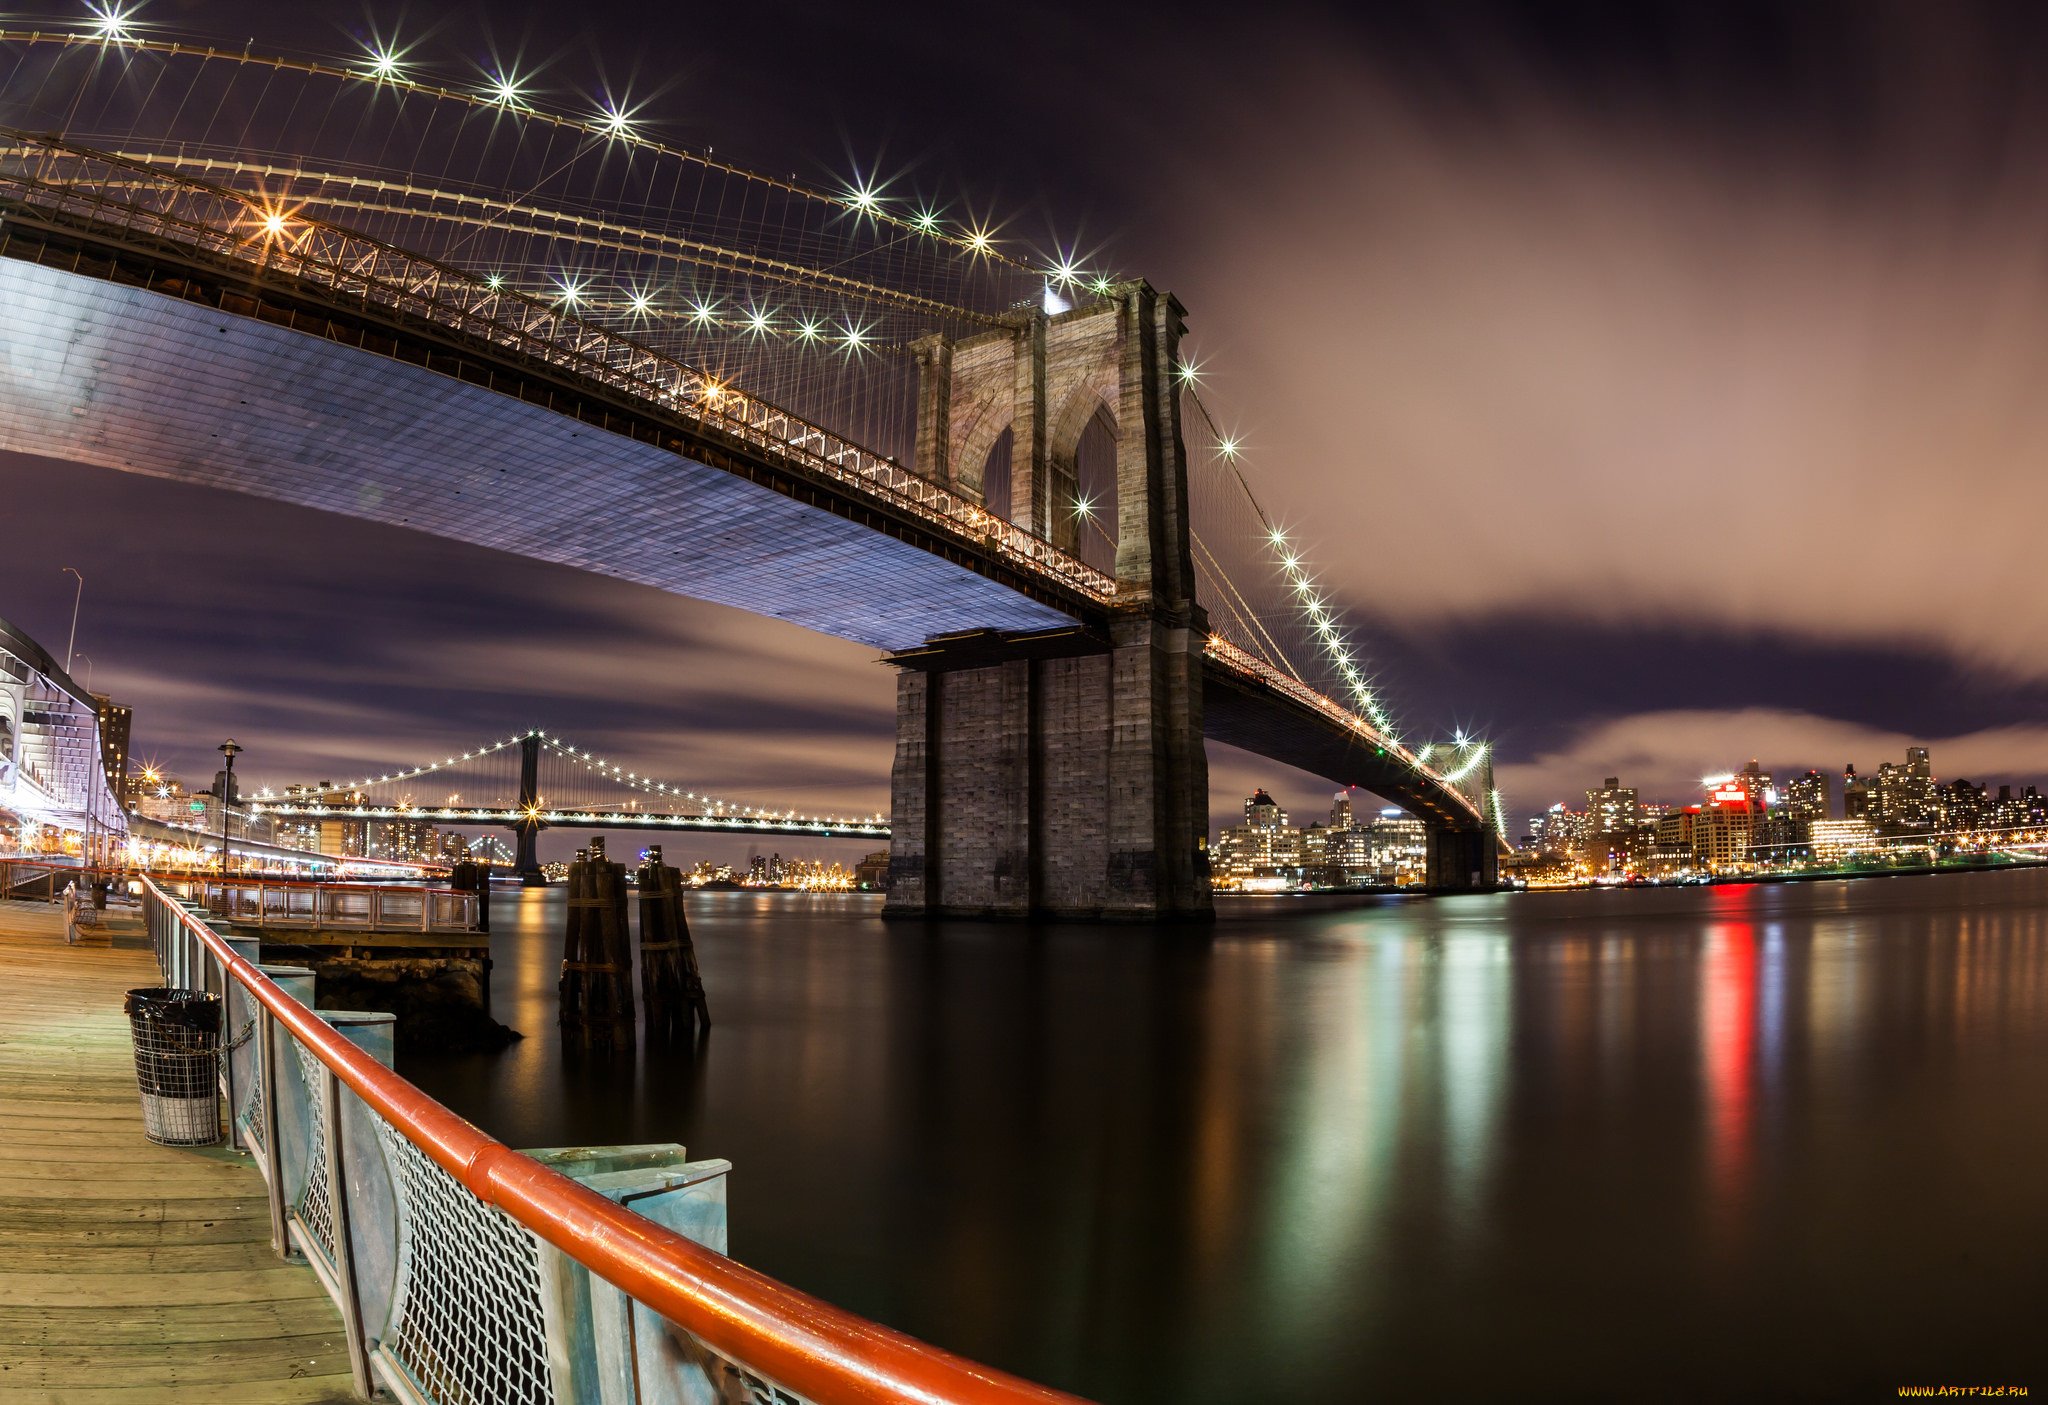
x=1061, y=773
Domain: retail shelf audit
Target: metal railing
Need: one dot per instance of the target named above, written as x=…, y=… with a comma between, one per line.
x=271, y=904
x=20, y=878
x=467, y=1273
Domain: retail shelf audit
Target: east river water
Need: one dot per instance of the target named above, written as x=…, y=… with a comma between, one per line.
x=1764, y=1142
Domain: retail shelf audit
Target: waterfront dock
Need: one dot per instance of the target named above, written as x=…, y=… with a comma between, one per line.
x=128, y=1271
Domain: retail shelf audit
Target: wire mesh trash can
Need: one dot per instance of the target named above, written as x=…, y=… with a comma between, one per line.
x=177, y=1063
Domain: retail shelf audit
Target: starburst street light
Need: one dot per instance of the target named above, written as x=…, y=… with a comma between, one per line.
x=926, y=221
x=505, y=89
x=864, y=198
x=1228, y=448
x=1064, y=273
x=1190, y=372
x=615, y=123
x=978, y=239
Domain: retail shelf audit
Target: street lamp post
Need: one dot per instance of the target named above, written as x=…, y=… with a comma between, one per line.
x=76, y=600
x=228, y=749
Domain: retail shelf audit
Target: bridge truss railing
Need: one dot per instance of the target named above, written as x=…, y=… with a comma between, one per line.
x=221, y=221
x=457, y=1262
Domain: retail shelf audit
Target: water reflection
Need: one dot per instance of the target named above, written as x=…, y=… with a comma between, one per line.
x=1664, y=1144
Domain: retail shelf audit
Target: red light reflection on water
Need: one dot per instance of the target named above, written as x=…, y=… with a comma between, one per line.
x=1728, y=999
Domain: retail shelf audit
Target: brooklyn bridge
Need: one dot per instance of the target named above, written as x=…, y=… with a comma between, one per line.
x=868, y=415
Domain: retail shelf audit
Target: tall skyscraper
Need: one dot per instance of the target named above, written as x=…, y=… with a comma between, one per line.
x=114, y=727
x=1340, y=810
x=1806, y=796
x=1613, y=808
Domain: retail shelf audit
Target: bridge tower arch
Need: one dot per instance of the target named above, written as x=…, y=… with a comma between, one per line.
x=1060, y=773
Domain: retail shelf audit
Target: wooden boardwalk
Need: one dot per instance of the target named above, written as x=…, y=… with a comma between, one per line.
x=128, y=1272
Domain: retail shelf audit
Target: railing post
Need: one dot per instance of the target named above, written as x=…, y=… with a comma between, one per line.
x=273, y=1154
x=344, y=1240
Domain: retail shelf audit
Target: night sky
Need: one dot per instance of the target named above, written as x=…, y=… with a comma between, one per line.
x=1657, y=385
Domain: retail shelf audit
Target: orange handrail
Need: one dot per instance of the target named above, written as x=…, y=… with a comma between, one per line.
x=802, y=1343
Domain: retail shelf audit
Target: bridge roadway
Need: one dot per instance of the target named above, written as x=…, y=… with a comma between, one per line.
x=149, y=348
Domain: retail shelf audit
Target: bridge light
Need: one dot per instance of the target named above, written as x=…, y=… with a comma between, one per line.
x=615, y=123
x=505, y=89
x=1101, y=285
x=110, y=21
x=383, y=61
x=1190, y=372
x=1228, y=448
x=978, y=239
x=926, y=221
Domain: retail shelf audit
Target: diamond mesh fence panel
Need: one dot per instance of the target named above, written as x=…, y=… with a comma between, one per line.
x=312, y=1209
x=467, y=1323
x=252, y=1106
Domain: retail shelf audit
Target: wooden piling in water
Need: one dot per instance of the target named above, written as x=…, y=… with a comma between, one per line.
x=670, y=983
x=596, y=989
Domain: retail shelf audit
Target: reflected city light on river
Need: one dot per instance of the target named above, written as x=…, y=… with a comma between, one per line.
x=1659, y=1141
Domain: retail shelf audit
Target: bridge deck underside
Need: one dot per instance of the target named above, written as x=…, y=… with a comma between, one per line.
x=95, y=372
x=1244, y=714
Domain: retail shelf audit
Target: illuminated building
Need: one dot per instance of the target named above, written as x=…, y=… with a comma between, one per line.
x=1612, y=809
x=1905, y=794
x=114, y=727
x=1351, y=853
x=1806, y=797
x=1400, y=847
x=1560, y=831
x=1340, y=810
x=1835, y=840
x=1263, y=812
x=1960, y=805
x=1755, y=783
x=403, y=841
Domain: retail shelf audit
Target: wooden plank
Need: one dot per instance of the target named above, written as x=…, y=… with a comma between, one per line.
x=164, y=1322
x=133, y=1290
x=196, y=1365
x=129, y=1272
x=315, y=1390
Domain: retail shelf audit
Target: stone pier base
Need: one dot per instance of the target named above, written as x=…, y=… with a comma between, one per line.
x=1462, y=860
x=1052, y=775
